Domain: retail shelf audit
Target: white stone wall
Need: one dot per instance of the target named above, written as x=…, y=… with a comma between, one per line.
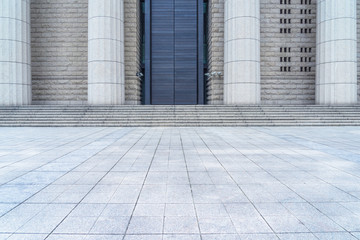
x=59, y=51
x=294, y=87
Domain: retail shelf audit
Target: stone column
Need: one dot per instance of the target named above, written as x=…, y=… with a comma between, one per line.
x=336, y=62
x=106, y=78
x=242, y=52
x=15, y=57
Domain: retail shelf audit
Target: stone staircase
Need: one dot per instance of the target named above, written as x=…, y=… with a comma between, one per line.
x=181, y=116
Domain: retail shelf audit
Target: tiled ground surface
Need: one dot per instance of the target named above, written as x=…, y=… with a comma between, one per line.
x=179, y=183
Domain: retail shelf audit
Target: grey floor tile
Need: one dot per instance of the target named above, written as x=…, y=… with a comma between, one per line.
x=303, y=209
x=103, y=237
x=259, y=237
x=354, y=207
x=110, y=225
x=205, y=194
x=297, y=236
x=216, y=225
x=335, y=236
x=320, y=224
x=211, y=210
x=87, y=210
x=43, y=197
x=27, y=237
x=66, y=237
x=149, y=210
x=56, y=210
x=72, y=225
x=178, y=194
x=287, y=224
x=220, y=237
x=177, y=178
x=200, y=178
x=113, y=178
x=181, y=225
x=271, y=209
x=143, y=237
x=73, y=197
x=333, y=209
x=181, y=237
x=40, y=224
x=241, y=210
x=231, y=194
x=145, y=225
x=350, y=223
x=118, y=210
x=126, y=194
x=179, y=210
x=251, y=225
x=4, y=208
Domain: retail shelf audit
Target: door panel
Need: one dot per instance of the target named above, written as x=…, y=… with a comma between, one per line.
x=185, y=52
x=163, y=60
x=174, y=52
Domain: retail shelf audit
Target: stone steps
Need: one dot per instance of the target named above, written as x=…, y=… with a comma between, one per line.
x=182, y=116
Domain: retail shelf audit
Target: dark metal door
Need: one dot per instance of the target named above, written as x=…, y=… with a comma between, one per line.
x=174, y=62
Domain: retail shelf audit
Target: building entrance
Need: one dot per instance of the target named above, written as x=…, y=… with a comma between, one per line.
x=174, y=67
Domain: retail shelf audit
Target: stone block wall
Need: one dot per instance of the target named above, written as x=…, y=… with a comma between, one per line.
x=214, y=85
x=59, y=51
x=294, y=84
x=132, y=52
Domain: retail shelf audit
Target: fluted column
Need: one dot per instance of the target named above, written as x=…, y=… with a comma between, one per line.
x=242, y=52
x=106, y=77
x=336, y=70
x=15, y=57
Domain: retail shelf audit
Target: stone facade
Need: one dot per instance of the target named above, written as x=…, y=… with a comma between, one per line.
x=277, y=87
x=284, y=49
x=215, y=84
x=132, y=52
x=59, y=51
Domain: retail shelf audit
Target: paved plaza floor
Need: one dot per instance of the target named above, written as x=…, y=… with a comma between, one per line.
x=180, y=183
